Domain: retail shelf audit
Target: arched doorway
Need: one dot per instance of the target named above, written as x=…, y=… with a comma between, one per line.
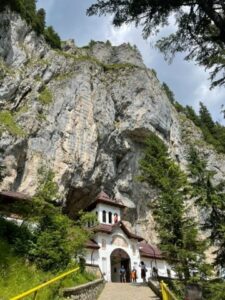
x=119, y=258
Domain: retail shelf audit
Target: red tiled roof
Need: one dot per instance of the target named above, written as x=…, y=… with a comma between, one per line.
x=103, y=228
x=91, y=244
x=130, y=234
x=13, y=196
x=102, y=197
x=147, y=250
x=109, y=229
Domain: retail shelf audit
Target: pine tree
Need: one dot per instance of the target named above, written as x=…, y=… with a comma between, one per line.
x=40, y=21
x=191, y=114
x=179, y=239
x=169, y=93
x=210, y=198
x=205, y=118
x=52, y=37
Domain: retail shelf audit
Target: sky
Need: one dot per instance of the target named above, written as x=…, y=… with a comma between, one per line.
x=188, y=81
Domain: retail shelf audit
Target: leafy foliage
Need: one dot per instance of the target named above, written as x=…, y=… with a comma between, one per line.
x=210, y=197
x=19, y=237
x=169, y=93
x=27, y=10
x=200, y=32
x=179, y=238
x=57, y=238
x=40, y=21
x=57, y=241
x=214, y=290
x=18, y=275
x=52, y=37
x=52, y=240
x=213, y=132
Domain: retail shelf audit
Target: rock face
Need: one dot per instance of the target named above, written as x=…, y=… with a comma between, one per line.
x=84, y=113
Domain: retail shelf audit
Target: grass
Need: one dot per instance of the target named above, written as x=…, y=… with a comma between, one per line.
x=8, y=123
x=106, y=67
x=45, y=96
x=17, y=276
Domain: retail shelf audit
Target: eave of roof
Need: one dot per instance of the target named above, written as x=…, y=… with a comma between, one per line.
x=91, y=244
x=147, y=250
x=106, y=228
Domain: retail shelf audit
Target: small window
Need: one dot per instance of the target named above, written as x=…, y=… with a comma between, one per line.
x=110, y=217
x=115, y=218
x=104, y=216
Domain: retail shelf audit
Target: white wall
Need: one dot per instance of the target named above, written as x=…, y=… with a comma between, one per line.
x=101, y=207
x=102, y=257
x=92, y=256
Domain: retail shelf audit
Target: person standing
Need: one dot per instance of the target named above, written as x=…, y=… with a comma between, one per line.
x=133, y=275
x=122, y=274
x=143, y=271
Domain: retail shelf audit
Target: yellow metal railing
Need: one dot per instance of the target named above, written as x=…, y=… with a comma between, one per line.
x=166, y=293
x=37, y=288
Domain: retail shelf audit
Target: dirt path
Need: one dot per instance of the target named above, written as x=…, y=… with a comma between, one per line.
x=127, y=291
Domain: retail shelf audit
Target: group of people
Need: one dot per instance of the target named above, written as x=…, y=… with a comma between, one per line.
x=133, y=273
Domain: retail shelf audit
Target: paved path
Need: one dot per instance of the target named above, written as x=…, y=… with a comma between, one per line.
x=127, y=291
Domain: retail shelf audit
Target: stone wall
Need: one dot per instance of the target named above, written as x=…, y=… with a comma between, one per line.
x=88, y=291
x=94, y=269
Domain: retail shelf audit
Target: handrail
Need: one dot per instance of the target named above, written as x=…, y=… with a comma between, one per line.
x=166, y=293
x=37, y=288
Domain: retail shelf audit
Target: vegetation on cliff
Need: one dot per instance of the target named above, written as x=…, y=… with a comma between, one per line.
x=213, y=132
x=210, y=198
x=35, y=18
x=200, y=30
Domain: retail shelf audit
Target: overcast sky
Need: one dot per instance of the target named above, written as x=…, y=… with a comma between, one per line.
x=189, y=82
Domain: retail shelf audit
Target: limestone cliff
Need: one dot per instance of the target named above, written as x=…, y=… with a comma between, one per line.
x=84, y=113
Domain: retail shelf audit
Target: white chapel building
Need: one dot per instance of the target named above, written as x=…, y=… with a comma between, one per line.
x=113, y=245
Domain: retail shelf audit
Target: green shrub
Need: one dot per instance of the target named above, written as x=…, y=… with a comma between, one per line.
x=17, y=276
x=45, y=97
x=214, y=290
x=92, y=43
x=8, y=123
x=19, y=237
x=108, y=43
